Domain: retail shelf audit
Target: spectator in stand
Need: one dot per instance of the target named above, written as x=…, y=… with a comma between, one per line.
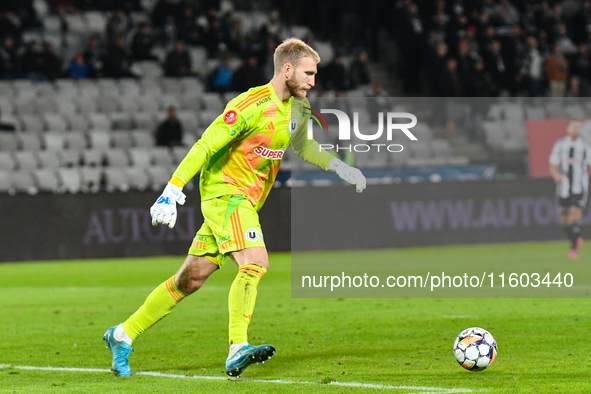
x=497, y=68
x=178, y=61
x=358, y=75
x=52, y=64
x=238, y=40
x=119, y=60
x=451, y=86
x=334, y=74
x=170, y=132
x=248, y=75
x=9, y=64
x=143, y=43
x=581, y=69
x=221, y=78
x=480, y=83
x=187, y=28
x=117, y=26
x=95, y=58
x=78, y=68
x=8, y=27
x=377, y=102
x=162, y=11
x=32, y=63
x=566, y=44
x=531, y=67
x=557, y=72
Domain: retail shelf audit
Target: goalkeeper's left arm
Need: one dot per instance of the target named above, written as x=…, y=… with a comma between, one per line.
x=310, y=151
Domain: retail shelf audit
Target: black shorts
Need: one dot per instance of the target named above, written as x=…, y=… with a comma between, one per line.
x=574, y=200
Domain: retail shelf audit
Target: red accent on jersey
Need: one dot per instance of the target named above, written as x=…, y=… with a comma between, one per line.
x=230, y=117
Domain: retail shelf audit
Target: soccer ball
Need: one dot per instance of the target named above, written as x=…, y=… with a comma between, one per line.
x=475, y=349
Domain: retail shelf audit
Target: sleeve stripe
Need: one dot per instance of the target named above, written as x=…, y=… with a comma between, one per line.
x=262, y=91
x=262, y=94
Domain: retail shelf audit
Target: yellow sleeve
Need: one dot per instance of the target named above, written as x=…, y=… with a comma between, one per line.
x=307, y=149
x=220, y=133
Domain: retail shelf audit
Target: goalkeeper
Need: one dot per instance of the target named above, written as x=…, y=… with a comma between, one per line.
x=239, y=154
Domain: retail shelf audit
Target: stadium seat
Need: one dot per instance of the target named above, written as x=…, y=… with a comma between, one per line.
x=96, y=22
x=25, y=160
x=144, y=121
x=162, y=156
x=129, y=104
x=48, y=159
x=207, y=117
x=31, y=123
x=24, y=106
x=24, y=89
x=92, y=157
x=85, y=105
x=191, y=102
x=8, y=141
x=69, y=158
x=117, y=158
x=46, y=89
x=212, y=102
x=91, y=178
x=53, y=140
x=66, y=88
x=159, y=176
x=5, y=184
x=129, y=87
x=108, y=87
x=46, y=105
x=77, y=122
x=142, y=139
x=141, y=157
x=6, y=107
x=77, y=23
x=198, y=59
x=99, y=121
x=115, y=179
x=189, y=137
x=99, y=140
x=137, y=178
x=46, y=180
x=107, y=104
x=71, y=180
x=149, y=69
x=191, y=85
x=6, y=90
x=535, y=112
x=30, y=142
x=121, y=139
x=169, y=100
x=171, y=86
x=149, y=104
x=179, y=153
x=55, y=122
x=189, y=120
x=574, y=110
x=23, y=181
x=66, y=105
x=121, y=121
x=52, y=23
x=441, y=148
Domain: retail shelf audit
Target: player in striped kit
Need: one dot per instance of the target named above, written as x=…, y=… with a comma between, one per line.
x=570, y=161
x=239, y=155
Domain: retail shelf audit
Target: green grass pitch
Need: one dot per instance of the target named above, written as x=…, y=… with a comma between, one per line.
x=53, y=314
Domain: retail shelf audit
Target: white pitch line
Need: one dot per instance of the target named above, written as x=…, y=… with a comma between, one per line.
x=420, y=389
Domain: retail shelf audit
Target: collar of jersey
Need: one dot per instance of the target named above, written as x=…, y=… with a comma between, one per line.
x=280, y=103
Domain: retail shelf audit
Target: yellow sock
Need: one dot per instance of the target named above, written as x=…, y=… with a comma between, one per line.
x=158, y=304
x=243, y=295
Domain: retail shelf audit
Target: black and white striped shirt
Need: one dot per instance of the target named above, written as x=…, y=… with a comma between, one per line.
x=572, y=158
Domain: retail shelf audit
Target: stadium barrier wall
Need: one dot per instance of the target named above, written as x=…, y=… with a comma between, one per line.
x=48, y=226
x=423, y=214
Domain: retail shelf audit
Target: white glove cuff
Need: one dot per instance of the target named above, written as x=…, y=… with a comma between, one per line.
x=176, y=192
x=335, y=164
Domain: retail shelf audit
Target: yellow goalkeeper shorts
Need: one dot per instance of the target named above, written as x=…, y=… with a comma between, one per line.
x=230, y=224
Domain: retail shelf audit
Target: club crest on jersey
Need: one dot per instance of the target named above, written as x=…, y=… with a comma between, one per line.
x=231, y=117
x=252, y=234
x=293, y=125
x=269, y=153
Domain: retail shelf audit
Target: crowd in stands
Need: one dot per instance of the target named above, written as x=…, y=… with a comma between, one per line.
x=494, y=47
x=171, y=27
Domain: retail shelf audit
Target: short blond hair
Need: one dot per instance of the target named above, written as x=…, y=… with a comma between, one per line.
x=291, y=51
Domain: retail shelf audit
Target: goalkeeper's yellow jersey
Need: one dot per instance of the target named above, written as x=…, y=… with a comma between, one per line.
x=242, y=149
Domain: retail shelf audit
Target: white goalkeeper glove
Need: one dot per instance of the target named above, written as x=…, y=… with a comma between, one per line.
x=348, y=174
x=164, y=209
